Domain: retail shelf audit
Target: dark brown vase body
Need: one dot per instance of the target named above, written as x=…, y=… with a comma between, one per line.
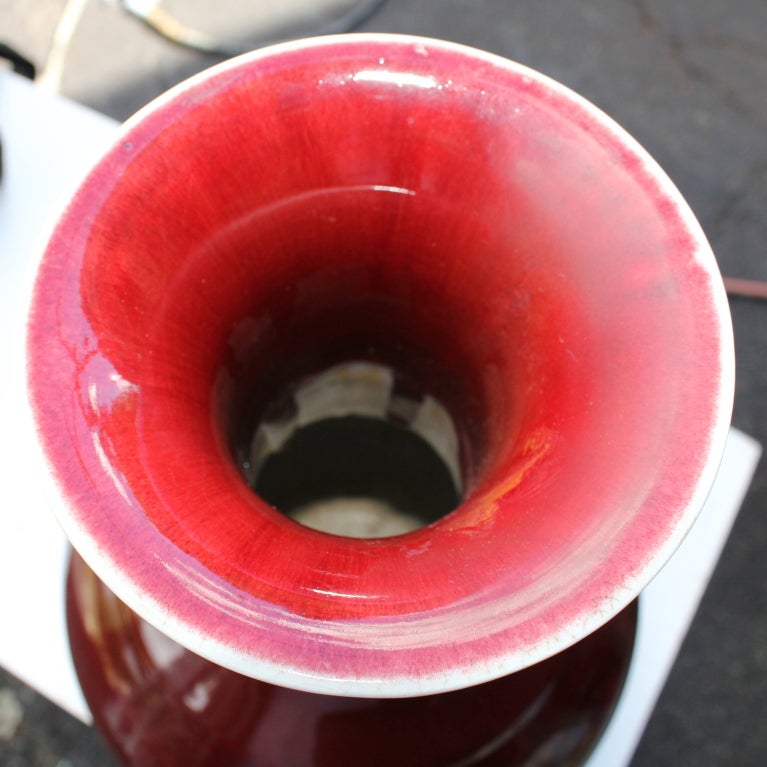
x=160, y=705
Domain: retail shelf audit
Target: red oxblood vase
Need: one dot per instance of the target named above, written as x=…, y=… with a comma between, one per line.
x=381, y=228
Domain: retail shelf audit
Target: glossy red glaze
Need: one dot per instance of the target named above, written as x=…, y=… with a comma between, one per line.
x=457, y=217
x=160, y=706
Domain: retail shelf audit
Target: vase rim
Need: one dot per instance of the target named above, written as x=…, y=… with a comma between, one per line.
x=415, y=652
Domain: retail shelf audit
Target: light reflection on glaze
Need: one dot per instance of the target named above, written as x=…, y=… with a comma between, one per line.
x=400, y=79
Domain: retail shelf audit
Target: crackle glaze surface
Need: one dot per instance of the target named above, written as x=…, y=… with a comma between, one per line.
x=436, y=209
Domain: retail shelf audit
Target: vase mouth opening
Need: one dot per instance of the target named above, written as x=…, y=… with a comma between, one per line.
x=349, y=385
x=356, y=451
